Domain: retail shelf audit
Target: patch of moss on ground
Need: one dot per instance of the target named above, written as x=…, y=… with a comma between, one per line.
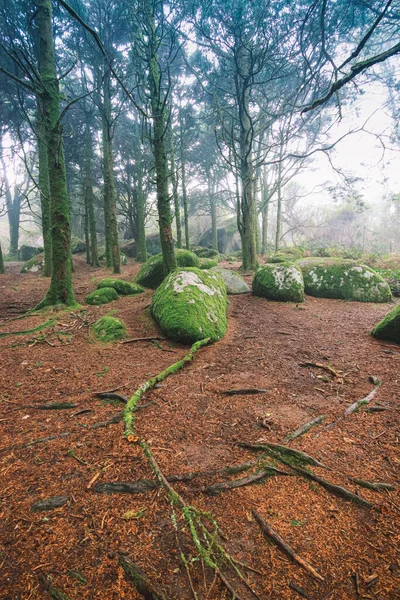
x=124, y=288
x=343, y=279
x=152, y=272
x=109, y=329
x=190, y=305
x=102, y=296
x=389, y=328
x=282, y=282
x=207, y=263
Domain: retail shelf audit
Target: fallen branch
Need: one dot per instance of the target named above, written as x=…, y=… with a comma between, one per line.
x=244, y=392
x=150, y=383
x=140, y=580
x=356, y=405
x=304, y=428
x=321, y=366
x=293, y=586
x=143, y=339
x=269, y=532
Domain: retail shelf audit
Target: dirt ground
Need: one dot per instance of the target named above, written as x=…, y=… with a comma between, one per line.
x=192, y=425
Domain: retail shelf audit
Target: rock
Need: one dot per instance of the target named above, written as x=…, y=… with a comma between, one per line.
x=25, y=253
x=190, y=305
x=77, y=245
x=235, y=284
x=49, y=503
x=343, y=279
x=124, y=288
x=279, y=257
x=205, y=252
x=282, y=282
x=152, y=273
x=228, y=238
x=102, y=296
x=389, y=328
x=123, y=259
x=207, y=263
x=34, y=265
x=109, y=329
x=129, y=248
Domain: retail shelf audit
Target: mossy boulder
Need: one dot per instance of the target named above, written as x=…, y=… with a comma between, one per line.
x=102, y=296
x=109, y=329
x=235, y=284
x=280, y=257
x=34, y=265
x=282, y=282
x=190, y=305
x=77, y=245
x=389, y=328
x=207, y=263
x=343, y=279
x=205, y=252
x=152, y=272
x=25, y=252
x=124, y=288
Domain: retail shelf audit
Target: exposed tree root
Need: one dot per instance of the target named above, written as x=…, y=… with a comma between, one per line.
x=150, y=383
x=258, y=477
x=112, y=396
x=270, y=533
x=244, y=392
x=321, y=366
x=377, y=486
x=356, y=405
x=140, y=580
x=41, y=327
x=293, y=586
x=290, y=454
x=143, y=339
x=304, y=428
x=53, y=592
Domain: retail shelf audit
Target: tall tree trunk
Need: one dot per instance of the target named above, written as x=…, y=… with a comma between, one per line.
x=110, y=209
x=264, y=211
x=184, y=192
x=174, y=181
x=278, y=233
x=89, y=197
x=13, y=206
x=2, y=269
x=158, y=111
x=60, y=290
x=86, y=231
x=213, y=210
x=248, y=204
x=141, y=252
x=44, y=186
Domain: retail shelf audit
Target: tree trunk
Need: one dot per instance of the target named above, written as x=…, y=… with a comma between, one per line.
x=89, y=198
x=264, y=212
x=184, y=193
x=13, y=206
x=213, y=211
x=110, y=210
x=158, y=111
x=248, y=204
x=141, y=252
x=278, y=232
x=60, y=290
x=2, y=269
x=44, y=186
x=174, y=181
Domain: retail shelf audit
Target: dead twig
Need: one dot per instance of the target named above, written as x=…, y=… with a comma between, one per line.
x=321, y=366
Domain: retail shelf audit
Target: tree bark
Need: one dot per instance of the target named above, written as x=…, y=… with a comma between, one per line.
x=89, y=198
x=2, y=269
x=264, y=212
x=44, y=186
x=184, y=192
x=174, y=181
x=141, y=253
x=60, y=290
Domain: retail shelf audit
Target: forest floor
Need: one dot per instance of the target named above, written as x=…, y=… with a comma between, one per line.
x=192, y=425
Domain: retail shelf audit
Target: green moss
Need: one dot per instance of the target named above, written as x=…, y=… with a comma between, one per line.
x=205, y=252
x=191, y=305
x=282, y=282
x=279, y=258
x=124, y=288
x=109, y=329
x=102, y=296
x=207, y=263
x=389, y=328
x=152, y=272
x=34, y=265
x=293, y=251
x=343, y=279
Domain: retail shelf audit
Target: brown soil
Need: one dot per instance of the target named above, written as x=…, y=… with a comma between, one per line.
x=190, y=426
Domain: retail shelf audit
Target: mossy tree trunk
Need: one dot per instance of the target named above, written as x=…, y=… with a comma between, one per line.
x=213, y=209
x=60, y=290
x=2, y=269
x=278, y=232
x=174, y=181
x=44, y=187
x=110, y=209
x=264, y=211
x=158, y=115
x=13, y=205
x=183, y=184
x=89, y=197
x=141, y=252
x=243, y=81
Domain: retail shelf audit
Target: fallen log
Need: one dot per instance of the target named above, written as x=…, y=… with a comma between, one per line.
x=270, y=533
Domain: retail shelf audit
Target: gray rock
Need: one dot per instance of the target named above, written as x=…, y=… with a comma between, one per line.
x=235, y=284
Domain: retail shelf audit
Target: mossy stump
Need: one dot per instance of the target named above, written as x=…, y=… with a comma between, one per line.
x=282, y=282
x=152, y=272
x=389, y=328
x=109, y=329
x=123, y=288
x=190, y=305
x=102, y=296
x=343, y=279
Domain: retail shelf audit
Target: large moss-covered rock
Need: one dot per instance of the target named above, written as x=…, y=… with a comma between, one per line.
x=389, y=328
x=109, y=329
x=228, y=237
x=235, y=284
x=207, y=263
x=124, y=288
x=77, y=245
x=343, y=279
x=34, y=265
x=152, y=272
x=190, y=305
x=282, y=282
x=204, y=252
x=102, y=296
x=25, y=252
x=279, y=257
